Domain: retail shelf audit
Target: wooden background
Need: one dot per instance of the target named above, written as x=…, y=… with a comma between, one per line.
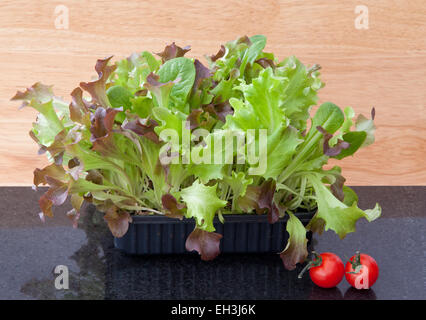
x=383, y=66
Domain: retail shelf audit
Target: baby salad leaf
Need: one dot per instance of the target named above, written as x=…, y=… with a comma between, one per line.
x=42, y=98
x=132, y=72
x=118, y=222
x=263, y=98
x=296, y=249
x=181, y=71
x=202, y=203
x=219, y=54
x=261, y=199
x=238, y=182
x=337, y=148
x=169, y=120
x=301, y=91
x=204, y=242
x=172, y=51
x=119, y=96
x=97, y=88
x=366, y=125
x=281, y=148
x=79, y=108
x=330, y=118
x=160, y=90
x=338, y=216
x=355, y=139
x=258, y=42
x=171, y=205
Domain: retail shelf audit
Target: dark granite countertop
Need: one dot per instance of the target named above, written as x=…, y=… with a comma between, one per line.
x=30, y=250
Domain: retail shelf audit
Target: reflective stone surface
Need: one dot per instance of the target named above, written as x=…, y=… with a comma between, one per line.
x=30, y=251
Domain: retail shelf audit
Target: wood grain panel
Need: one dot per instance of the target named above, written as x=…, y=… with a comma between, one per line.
x=383, y=66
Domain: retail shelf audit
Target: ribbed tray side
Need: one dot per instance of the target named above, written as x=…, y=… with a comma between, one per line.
x=241, y=234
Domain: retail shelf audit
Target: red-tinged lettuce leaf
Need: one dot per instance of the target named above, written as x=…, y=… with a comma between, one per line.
x=42, y=149
x=173, y=208
x=200, y=94
x=194, y=118
x=143, y=128
x=38, y=92
x=63, y=139
x=94, y=176
x=249, y=201
x=73, y=162
x=266, y=63
x=45, y=205
x=160, y=90
x=337, y=186
x=207, y=244
x=220, y=110
x=102, y=122
x=337, y=148
x=102, y=131
x=106, y=146
x=118, y=221
x=76, y=201
x=219, y=54
x=261, y=199
x=48, y=124
x=79, y=108
x=52, y=170
x=198, y=118
x=201, y=73
x=244, y=39
x=97, y=88
x=75, y=168
x=56, y=195
x=58, y=190
x=172, y=51
x=316, y=225
x=266, y=200
x=296, y=249
x=74, y=216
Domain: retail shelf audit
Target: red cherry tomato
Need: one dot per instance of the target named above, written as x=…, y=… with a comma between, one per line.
x=326, y=270
x=361, y=271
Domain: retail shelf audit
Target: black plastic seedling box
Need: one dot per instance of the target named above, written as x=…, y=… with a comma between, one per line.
x=248, y=233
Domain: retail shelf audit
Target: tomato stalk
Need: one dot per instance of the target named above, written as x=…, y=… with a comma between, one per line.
x=315, y=262
x=356, y=263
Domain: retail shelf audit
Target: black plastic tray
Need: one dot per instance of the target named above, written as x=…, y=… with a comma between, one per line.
x=248, y=233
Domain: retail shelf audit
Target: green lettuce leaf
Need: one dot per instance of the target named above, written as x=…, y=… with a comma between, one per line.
x=301, y=91
x=181, y=71
x=366, y=125
x=337, y=215
x=202, y=203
